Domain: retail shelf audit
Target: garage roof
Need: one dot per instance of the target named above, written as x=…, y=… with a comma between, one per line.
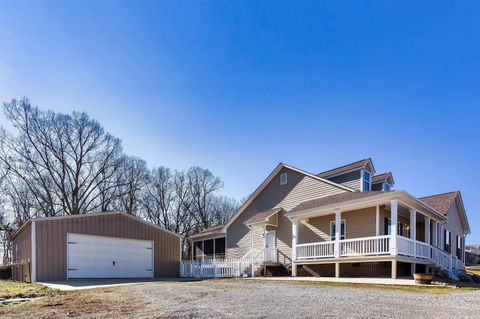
x=28, y=222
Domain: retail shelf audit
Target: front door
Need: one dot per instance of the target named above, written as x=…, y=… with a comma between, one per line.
x=270, y=246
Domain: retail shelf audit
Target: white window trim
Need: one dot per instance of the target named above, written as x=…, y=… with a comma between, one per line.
x=344, y=221
x=283, y=179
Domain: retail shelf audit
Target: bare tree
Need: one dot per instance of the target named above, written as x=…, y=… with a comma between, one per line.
x=202, y=186
x=134, y=177
x=223, y=208
x=61, y=158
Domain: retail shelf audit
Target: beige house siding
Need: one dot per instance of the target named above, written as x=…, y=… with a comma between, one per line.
x=352, y=180
x=358, y=223
x=299, y=188
x=454, y=225
x=51, y=242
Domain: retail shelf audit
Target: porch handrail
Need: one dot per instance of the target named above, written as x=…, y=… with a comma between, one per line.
x=316, y=250
x=317, y=243
x=365, y=246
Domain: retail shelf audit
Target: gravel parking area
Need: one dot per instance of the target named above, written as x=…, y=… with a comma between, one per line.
x=260, y=299
x=238, y=298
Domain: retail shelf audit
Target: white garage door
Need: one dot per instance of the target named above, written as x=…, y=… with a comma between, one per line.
x=108, y=257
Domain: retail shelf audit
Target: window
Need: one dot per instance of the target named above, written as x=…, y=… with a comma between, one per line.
x=283, y=179
x=208, y=248
x=447, y=240
x=386, y=187
x=400, y=229
x=205, y=249
x=387, y=226
x=197, y=250
x=220, y=247
x=459, y=247
x=332, y=230
x=366, y=181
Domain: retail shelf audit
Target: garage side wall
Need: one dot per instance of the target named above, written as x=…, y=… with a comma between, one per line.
x=51, y=238
x=22, y=251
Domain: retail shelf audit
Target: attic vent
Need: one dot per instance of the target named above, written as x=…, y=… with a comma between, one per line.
x=283, y=179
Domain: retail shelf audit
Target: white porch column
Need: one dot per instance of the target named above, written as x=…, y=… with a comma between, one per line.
x=393, y=241
x=294, y=246
x=338, y=230
x=435, y=233
x=377, y=221
x=427, y=230
x=413, y=229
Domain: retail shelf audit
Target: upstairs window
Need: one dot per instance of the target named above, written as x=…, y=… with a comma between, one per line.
x=283, y=179
x=332, y=230
x=366, y=181
x=386, y=187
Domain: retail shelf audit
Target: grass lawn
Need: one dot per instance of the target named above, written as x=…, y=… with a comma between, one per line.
x=12, y=289
x=403, y=288
x=103, y=302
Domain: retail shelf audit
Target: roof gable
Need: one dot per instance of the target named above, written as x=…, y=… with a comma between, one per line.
x=270, y=177
x=367, y=162
x=441, y=202
x=137, y=219
x=444, y=202
x=384, y=177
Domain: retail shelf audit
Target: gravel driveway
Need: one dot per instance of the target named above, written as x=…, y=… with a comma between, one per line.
x=261, y=299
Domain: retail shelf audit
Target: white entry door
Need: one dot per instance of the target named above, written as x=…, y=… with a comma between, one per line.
x=108, y=257
x=270, y=246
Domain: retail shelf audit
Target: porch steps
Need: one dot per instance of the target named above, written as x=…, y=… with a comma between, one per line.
x=270, y=269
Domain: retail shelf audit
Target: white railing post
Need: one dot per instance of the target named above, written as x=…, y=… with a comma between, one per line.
x=338, y=230
x=413, y=229
x=394, y=215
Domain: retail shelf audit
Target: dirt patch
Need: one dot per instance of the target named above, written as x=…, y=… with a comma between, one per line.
x=86, y=304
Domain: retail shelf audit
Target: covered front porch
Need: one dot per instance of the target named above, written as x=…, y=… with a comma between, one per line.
x=375, y=232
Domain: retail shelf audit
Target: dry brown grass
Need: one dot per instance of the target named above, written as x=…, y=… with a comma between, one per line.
x=92, y=303
x=473, y=270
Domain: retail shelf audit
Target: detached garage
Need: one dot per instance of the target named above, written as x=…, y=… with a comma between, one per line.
x=105, y=245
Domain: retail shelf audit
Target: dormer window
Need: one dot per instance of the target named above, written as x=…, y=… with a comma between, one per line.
x=366, y=180
x=283, y=179
x=386, y=187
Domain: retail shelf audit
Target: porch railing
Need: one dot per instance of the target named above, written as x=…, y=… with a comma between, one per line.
x=379, y=245
x=367, y=246
x=215, y=268
x=316, y=250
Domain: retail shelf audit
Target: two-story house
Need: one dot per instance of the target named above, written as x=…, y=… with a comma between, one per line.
x=347, y=221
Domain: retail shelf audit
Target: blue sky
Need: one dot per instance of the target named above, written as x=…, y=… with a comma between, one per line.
x=238, y=86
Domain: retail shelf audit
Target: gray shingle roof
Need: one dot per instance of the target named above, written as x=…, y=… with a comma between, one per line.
x=357, y=164
x=333, y=199
x=440, y=202
x=262, y=216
